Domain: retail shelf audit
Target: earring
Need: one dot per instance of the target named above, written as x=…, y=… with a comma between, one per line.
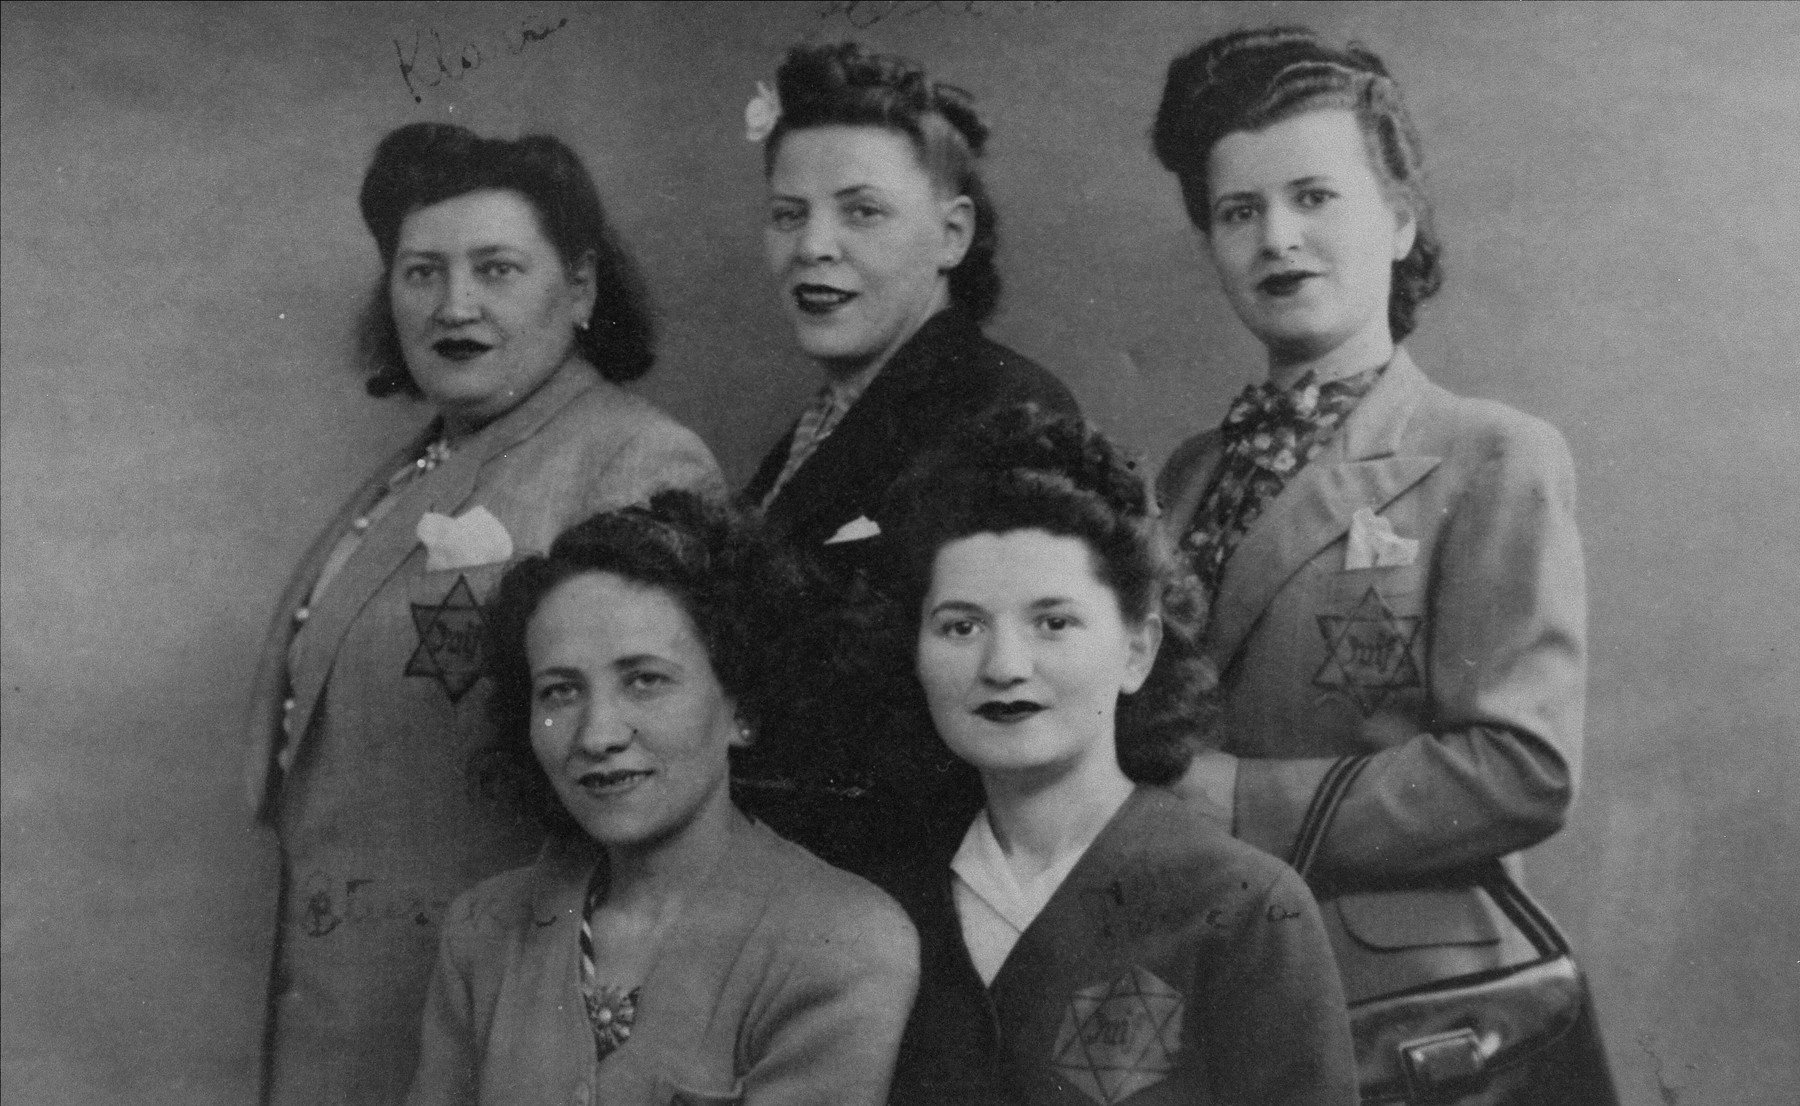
x=746, y=732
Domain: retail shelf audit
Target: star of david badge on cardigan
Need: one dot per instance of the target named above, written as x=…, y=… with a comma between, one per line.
x=1118, y=1038
x=1369, y=653
x=450, y=634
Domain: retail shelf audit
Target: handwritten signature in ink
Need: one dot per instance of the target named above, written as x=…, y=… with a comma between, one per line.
x=430, y=61
x=863, y=14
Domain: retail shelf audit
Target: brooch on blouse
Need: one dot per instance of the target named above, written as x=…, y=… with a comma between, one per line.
x=611, y=1012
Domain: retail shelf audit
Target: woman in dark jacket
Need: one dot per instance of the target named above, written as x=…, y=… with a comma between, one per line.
x=882, y=238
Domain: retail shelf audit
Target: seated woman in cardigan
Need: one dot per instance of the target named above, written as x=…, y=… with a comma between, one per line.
x=664, y=947
x=1097, y=935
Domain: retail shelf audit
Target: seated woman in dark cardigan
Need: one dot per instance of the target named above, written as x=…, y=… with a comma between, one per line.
x=1097, y=936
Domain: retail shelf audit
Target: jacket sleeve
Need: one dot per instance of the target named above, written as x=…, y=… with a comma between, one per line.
x=660, y=455
x=449, y=1060
x=1493, y=767
x=1277, y=1030
x=831, y=1030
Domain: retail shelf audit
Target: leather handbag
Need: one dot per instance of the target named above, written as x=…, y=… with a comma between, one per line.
x=1523, y=1033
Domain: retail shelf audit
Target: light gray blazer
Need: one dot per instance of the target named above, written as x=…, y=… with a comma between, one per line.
x=579, y=445
x=1462, y=672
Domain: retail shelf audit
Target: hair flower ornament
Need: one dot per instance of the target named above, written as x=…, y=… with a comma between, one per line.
x=761, y=113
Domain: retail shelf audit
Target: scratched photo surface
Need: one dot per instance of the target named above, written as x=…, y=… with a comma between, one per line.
x=183, y=264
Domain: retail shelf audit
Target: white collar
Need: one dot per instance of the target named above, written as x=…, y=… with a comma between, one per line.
x=983, y=867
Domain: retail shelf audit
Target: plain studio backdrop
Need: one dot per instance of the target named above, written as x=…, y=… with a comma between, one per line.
x=183, y=262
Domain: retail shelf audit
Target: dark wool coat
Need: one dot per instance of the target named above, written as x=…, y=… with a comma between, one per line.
x=946, y=373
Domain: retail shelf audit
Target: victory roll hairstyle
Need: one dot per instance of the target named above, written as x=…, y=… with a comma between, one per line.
x=841, y=84
x=1249, y=79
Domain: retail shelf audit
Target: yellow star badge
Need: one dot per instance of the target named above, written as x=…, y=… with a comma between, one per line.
x=1118, y=1038
x=1370, y=653
x=450, y=640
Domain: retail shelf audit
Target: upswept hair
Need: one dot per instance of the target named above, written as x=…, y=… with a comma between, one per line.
x=422, y=164
x=736, y=583
x=1019, y=469
x=841, y=84
x=1249, y=79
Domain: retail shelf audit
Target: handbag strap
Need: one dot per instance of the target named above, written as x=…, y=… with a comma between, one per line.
x=1490, y=875
x=1523, y=910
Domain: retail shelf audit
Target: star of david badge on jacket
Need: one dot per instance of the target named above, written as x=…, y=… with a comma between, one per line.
x=1370, y=653
x=1118, y=1038
x=450, y=640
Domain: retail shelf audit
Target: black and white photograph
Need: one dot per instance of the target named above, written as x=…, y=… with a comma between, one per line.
x=919, y=552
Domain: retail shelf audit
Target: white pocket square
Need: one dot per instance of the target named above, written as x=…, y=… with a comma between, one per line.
x=1373, y=543
x=477, y=538
x=860, y=528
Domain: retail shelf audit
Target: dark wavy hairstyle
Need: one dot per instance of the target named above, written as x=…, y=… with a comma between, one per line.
x=422, y=164
x=1246, y=80
x=735, y=582
x=840, y=84
x=1019, y=469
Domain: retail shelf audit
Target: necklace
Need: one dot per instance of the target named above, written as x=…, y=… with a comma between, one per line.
x=611, y=1011
x=435, y=454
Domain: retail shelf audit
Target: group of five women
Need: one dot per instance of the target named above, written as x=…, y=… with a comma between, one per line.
x=542, y=717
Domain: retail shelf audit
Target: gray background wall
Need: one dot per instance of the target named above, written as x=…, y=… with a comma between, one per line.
x=182, y=259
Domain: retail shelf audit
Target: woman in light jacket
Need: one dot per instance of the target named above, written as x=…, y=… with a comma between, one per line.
x=1395, y=578
x=509, y=307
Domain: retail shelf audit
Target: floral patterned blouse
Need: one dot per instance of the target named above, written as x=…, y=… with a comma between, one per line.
x=1269, y=433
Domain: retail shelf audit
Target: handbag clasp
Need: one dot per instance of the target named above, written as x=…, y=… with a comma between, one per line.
x=1440, y=1062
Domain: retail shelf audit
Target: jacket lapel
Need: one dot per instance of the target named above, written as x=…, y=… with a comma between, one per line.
x=697, y=962
x=457, y=476
x=388, y=544
x=772, y=463
x=1361, y=467
x=859, y=457
x=272, y=677
x=1079, y=913
x=1178, y=513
